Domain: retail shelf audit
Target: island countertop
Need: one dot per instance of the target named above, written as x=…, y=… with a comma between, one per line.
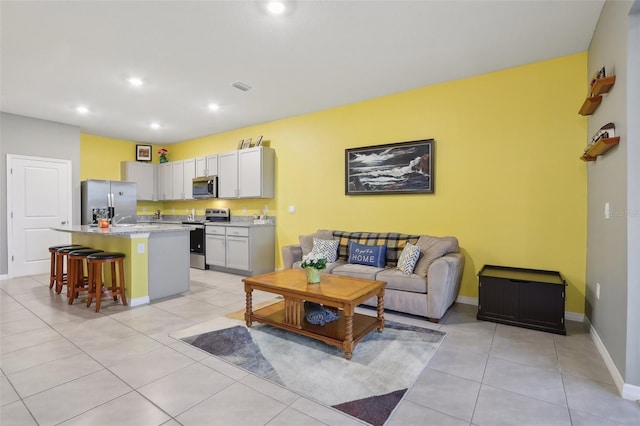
x=125, y=230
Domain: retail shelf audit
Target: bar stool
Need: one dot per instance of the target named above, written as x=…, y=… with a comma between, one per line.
x=52, y=251
x=61, y=257
x=76, y=279
x=95, y=262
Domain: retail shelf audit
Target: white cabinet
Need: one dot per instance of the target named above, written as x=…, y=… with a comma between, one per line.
x=177, y=179
x=245, y=249
x=237, y=248
x=228, y=175
x=246, y=173
x=215, y=246
x=201, y=166
x=212, y=165
x=188, y=173
x=144, y=175
x=165, y=181
x=207, y=166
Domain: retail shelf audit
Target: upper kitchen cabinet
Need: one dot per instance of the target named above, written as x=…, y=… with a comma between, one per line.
x=228, y=175
x=144, y=175
x=207, y=166
x=246, y=173
x=188, y=173
x=165, y=181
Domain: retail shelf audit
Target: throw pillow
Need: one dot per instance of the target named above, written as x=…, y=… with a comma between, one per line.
x=367, y=255
x=408, y=258
x=433, y=248
x=306, y=241
x=325, y=248
x=316, y=314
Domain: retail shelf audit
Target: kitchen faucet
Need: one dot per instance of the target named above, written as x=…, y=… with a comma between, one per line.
x=115, y=222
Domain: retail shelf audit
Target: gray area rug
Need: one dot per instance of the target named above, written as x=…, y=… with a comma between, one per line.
x=369, y=386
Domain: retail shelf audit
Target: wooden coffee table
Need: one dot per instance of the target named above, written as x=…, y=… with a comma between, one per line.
x=344, y=293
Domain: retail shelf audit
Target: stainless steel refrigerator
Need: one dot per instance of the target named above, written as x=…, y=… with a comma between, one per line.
x=110, y=199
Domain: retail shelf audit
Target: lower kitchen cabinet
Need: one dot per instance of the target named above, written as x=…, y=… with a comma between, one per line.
x=249, y=250
x=527, y=298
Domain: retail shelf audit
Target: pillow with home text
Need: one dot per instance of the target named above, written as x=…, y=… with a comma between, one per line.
x=367, y=255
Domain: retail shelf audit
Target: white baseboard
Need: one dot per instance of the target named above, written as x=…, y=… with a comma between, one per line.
x=626, y=390
x=571, y=316
x=467, y=300
x=4, y=277
x=139, y=301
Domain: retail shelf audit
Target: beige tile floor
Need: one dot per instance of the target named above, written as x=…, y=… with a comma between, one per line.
x=68, y=365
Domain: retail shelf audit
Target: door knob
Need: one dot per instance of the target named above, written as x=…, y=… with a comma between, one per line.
x=64, y=222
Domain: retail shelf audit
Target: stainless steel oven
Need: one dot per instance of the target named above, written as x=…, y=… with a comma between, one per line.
x=197, y=246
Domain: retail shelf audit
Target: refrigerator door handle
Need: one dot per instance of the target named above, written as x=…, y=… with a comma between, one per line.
x=110, y=199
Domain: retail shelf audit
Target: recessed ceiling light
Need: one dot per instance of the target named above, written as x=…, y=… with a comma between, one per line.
x=214, y=107
x=135, y=81
x=276, y=7
x=155, y=126
x=81, y=109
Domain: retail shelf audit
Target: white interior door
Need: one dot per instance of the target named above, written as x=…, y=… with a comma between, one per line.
x=38, y=197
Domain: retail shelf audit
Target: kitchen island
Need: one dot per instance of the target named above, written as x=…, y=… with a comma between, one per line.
x=157, y=256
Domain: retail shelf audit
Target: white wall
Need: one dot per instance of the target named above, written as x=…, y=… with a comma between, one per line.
x=613, y=245
x=37, y=138
x=633, y=198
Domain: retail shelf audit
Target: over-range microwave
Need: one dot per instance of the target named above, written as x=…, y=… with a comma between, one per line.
x=205, y=187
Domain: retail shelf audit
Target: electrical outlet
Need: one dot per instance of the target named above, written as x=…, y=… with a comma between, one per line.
x=292, y=209
x=607, y=210
x=598, y=291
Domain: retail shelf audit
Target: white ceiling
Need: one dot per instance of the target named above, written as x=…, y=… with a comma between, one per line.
x=321, y=54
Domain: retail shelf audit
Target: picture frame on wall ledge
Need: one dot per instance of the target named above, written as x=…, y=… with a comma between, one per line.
x=143, y=152
x=395, y=168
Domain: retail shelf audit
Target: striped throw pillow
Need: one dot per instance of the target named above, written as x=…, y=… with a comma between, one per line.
x=408, y=258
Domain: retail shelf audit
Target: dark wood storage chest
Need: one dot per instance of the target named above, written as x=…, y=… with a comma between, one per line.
x=527, y=298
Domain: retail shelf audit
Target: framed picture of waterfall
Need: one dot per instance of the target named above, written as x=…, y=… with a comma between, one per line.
x=395, y=168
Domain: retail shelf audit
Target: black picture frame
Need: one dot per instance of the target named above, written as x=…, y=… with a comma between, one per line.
x=395, y=168
x=144, y=152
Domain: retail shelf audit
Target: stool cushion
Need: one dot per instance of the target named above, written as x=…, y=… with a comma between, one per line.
x=84, y=252
x=105, y=256
x=70, y=248
x=63, y=246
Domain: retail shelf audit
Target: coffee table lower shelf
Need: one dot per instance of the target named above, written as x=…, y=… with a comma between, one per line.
x=333, y=333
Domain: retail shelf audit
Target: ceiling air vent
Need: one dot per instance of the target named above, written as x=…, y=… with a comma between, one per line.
x=242, y=86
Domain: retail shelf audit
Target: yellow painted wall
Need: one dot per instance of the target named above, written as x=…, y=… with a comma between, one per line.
x=508, y=182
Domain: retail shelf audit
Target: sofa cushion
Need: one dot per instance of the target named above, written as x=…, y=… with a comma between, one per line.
x=433, y=248
x=325, y=248
x=394, y=241
x=357, y=271
x=398, y=280
x=367, y=255
x=306, y=241
x=408, y=258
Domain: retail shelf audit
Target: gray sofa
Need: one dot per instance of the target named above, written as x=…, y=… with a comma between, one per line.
x=429, y=291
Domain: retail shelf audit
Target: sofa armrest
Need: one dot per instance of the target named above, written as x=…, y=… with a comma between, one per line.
x=443, y=283
x=290, y=254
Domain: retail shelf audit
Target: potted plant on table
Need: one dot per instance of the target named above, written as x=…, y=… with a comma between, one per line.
x=313, y=265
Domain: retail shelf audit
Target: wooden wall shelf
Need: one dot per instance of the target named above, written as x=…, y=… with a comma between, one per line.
x=592, y=102
x=590, y=105
x=602, y=146
x=603, y=85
